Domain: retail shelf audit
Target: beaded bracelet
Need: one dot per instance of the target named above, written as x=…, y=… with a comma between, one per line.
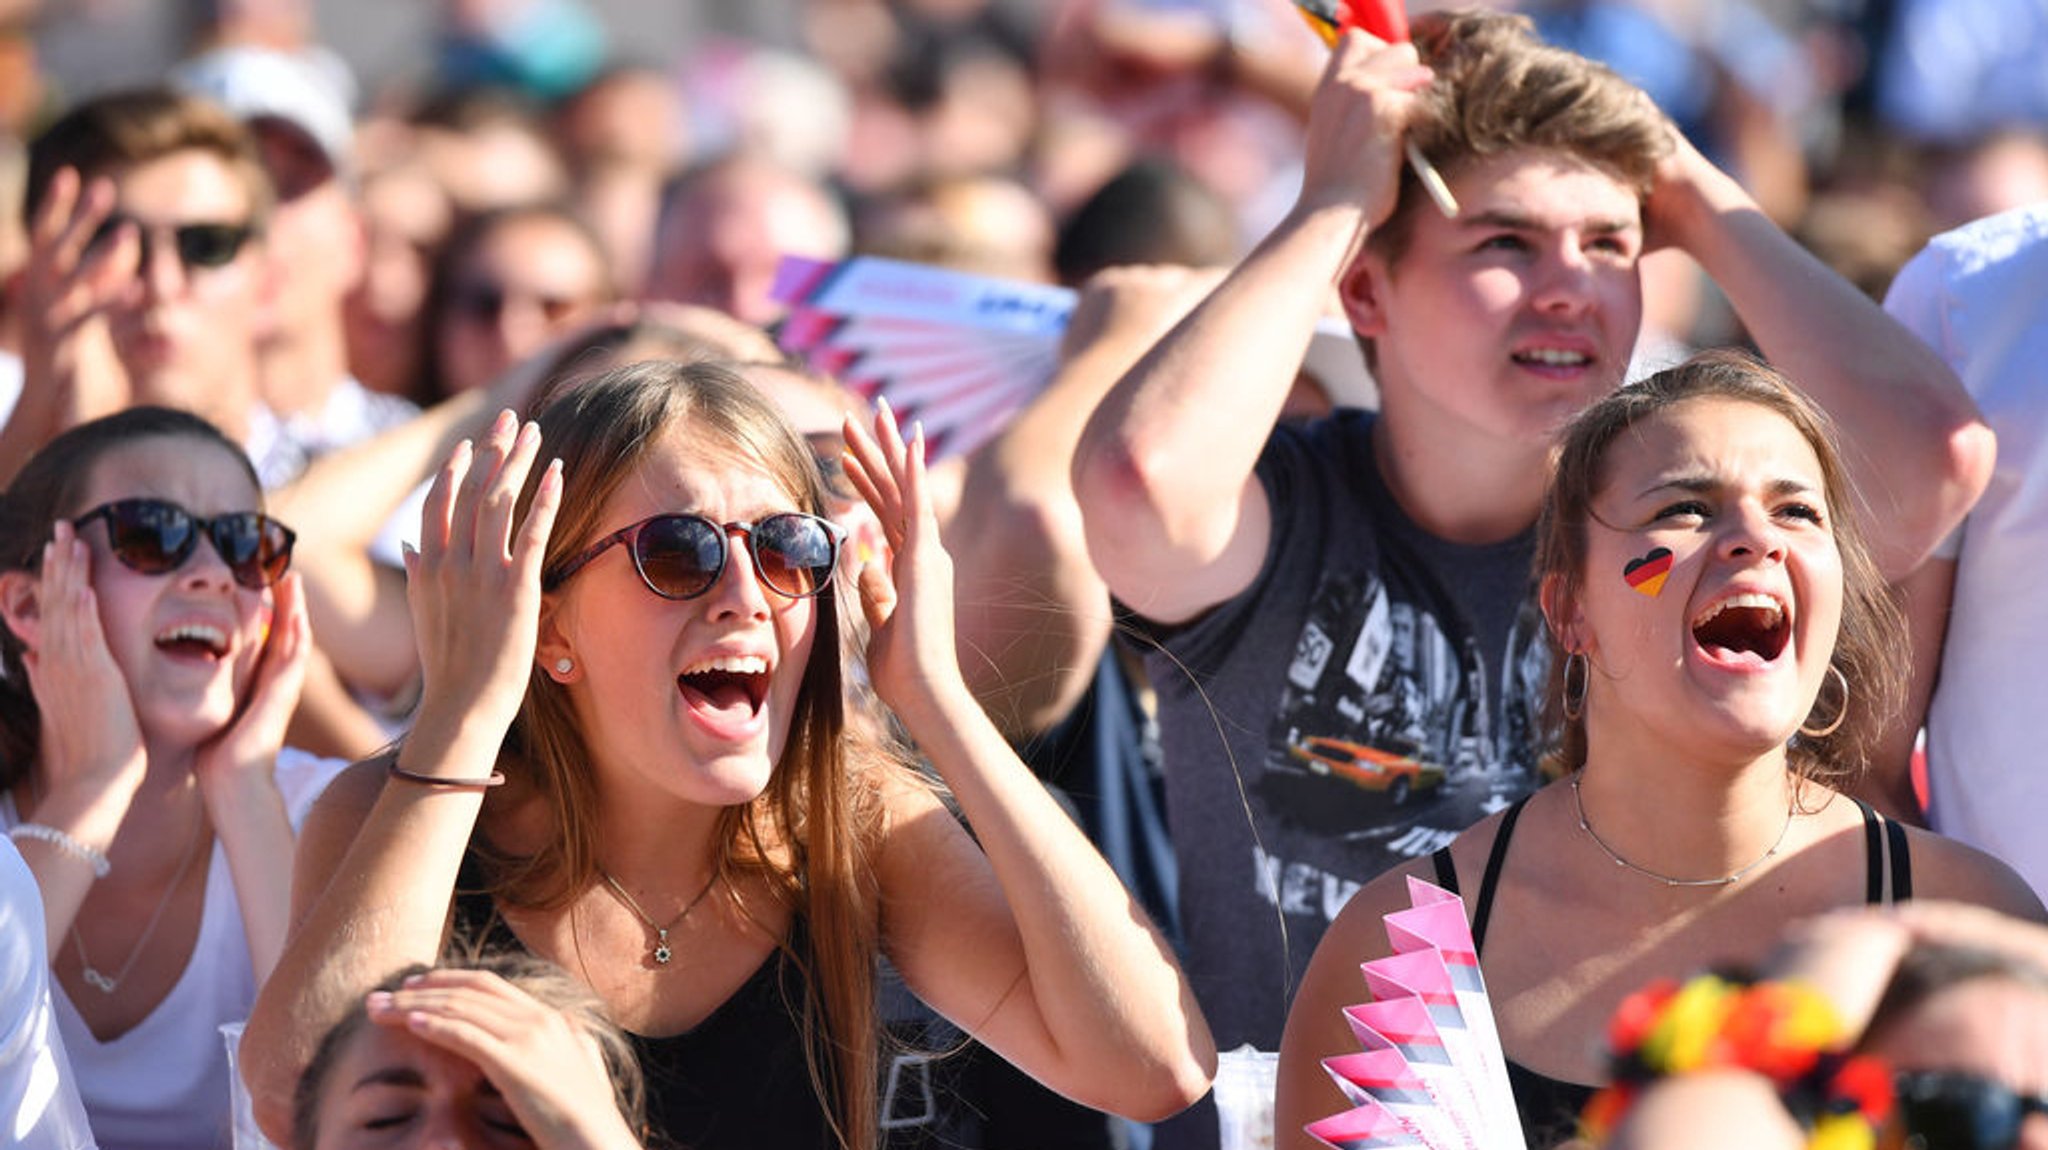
x=65, y=844
x=494, y=779
x=1782, y=1030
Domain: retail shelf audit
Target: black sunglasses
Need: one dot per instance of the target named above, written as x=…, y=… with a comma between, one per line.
x=198, y=245
x=485, y=303
x=1949, y=1110
x=681, y=556
x=155, y=537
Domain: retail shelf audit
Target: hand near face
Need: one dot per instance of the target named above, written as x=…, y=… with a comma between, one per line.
x=474, y=585
x=548, y=1070
x=910, y=606
x=90, y=736
x=67, y=286
x=247, y=750
x=1361, y=110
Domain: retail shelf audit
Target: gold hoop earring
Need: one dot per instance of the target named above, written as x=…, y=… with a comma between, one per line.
x=1841, y=712
x=1575, y=687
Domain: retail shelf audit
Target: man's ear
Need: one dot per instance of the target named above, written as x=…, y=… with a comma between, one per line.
x=1362, y=291
x=552, y=652
x=21, y=605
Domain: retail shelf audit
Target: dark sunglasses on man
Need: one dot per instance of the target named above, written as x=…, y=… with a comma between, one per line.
x=156, y=537
x=485, y=302
x=1950, y=1110
x=199, y=245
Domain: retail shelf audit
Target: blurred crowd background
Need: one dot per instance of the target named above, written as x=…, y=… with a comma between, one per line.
x=968, y=132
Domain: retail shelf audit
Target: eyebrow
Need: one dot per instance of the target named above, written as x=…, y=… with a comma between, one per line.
x=1523, y=222
x=1705, y=484
x=401, y=1076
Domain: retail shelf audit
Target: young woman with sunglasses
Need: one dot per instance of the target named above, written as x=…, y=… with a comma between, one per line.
x=153, y=651
x=1726, y=658
x=694, y=816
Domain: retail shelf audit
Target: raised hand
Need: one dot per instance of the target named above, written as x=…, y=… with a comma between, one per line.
x=90, y=740
x=1356, y=123
x=67, y=285
x=246, y=750
x=474, y=584
x=910, y=605
x=548, y=1070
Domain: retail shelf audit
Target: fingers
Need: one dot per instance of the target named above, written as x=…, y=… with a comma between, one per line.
x=472, y=509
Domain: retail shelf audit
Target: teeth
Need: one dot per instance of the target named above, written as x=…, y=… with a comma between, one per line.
x=732, y=665
x=213, y=637
x=1752, y=599
x=1556, y=357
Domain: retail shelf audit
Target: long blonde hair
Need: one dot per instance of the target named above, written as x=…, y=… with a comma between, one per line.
x=813, y=830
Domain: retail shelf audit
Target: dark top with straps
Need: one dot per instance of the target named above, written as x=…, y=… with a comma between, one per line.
x=736, y=1079
x=1550, y=1107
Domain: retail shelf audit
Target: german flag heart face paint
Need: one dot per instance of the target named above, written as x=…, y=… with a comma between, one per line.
x=1647, y=575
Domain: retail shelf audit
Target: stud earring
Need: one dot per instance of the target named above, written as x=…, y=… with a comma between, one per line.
x=564, y=665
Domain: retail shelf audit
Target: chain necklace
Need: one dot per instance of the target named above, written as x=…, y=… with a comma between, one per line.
x=108, y=984
x=1666, y=879
x=661, y=952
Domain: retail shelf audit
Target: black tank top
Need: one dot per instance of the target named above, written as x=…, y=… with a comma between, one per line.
x=735, y=1080
x=1550, y=1107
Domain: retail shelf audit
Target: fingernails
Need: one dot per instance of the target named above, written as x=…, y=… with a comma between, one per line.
x=504, y=423
x=377, y=1000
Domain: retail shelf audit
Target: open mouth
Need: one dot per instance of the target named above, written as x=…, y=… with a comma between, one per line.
x=734, y=685
x=1553, y=357
x=1749, y=625
x=195, y=640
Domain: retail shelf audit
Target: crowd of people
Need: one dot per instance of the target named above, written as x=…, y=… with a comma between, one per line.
x=456, y=660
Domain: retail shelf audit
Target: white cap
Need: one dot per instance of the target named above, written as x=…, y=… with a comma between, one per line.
x=261, y=84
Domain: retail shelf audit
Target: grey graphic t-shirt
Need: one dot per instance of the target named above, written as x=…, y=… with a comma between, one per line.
x=1375, y=692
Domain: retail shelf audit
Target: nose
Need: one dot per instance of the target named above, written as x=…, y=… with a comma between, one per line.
x=739, y=590
x=1749, y=534
x=161, y=271
x=1563, y=279
x=205, y=566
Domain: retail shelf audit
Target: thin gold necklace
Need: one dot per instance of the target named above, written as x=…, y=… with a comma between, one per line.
x=1667, y=880
x=108, y=984
x=661, y=952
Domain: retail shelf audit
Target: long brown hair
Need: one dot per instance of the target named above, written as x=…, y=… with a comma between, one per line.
x=812, y=831
x=1866, y=649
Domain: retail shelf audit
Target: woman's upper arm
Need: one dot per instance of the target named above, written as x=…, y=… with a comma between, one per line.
x=329, y=829
x=1316, y=1028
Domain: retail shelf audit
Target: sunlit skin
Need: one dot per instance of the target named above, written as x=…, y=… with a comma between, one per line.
x=1736, y=494
x=1499, y=325
x=182, y=695
x=1993, y=1027
x=654, y=738
x=181, y=334
x=390, y=1089
x=533, y=261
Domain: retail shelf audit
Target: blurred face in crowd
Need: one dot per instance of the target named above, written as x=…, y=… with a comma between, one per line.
x=186, y=333
x=532, y=277
x=720, y=245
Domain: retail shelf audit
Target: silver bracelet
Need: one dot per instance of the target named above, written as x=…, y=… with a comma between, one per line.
x=64, y=843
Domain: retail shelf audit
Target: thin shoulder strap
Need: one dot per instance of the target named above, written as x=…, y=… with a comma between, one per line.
x=1873, y=854
x=1446, y=873
x=1482, y=909
x=1901, y=859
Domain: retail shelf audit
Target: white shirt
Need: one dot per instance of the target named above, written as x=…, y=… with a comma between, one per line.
x=39, y=1104
x=1979, y=296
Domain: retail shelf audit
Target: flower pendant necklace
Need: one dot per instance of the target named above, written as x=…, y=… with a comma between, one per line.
x=661, y=952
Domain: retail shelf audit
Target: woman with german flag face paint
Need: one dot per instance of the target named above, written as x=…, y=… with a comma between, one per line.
x=1725, y=657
